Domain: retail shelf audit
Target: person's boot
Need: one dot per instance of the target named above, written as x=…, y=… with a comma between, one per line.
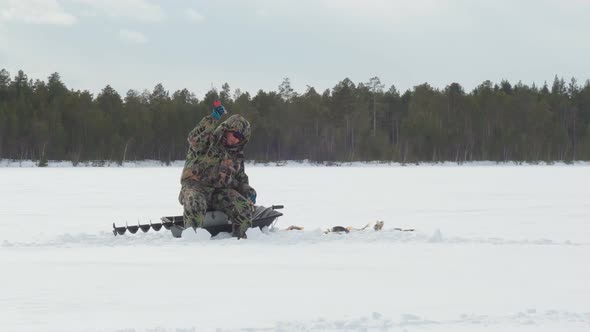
x=238, y=231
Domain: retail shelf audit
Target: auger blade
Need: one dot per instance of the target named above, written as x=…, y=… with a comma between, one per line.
x=156, y=226
x=144, y=228
x=132, y=229
x=118, y=230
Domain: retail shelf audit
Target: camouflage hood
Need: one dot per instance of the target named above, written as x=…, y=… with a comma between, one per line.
x=237, y=123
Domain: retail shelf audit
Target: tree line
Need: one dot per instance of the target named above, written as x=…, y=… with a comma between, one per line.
x=44, y=120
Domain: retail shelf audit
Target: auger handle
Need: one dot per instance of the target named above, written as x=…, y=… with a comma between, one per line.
x=277, y=207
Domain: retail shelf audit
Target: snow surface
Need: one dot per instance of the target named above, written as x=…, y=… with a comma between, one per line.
x=496, y=248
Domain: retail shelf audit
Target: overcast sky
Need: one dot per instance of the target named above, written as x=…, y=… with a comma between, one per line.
x=135, y=44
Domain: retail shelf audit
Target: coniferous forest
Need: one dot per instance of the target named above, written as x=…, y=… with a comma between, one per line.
x=46, y=120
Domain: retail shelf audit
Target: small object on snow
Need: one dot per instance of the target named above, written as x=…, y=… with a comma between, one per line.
x=403, y=230
x=338, y=229
x=379, y=225
x=294, y=228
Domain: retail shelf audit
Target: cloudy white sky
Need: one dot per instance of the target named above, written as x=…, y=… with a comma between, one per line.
x=254, y=44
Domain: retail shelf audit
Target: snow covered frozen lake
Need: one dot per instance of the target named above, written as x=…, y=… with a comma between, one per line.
x=496, y=248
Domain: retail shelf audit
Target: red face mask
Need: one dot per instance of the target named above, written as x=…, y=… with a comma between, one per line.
x=232, y=138
x=237, y=135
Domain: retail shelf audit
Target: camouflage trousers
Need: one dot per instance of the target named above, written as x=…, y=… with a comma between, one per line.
x=197, y=199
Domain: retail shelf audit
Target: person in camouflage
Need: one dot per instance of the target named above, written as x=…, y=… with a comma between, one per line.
x=213, y=175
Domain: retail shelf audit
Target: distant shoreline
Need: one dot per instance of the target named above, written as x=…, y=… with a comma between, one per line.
x=7, y=163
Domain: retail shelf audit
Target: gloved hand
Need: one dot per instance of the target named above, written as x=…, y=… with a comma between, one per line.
x=218, y=110
x=252, y=197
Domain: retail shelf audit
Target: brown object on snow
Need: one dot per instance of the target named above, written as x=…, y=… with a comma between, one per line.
x=293, y=227
x=379, y=225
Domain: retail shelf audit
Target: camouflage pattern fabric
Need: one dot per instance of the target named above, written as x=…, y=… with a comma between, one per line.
x=213, y=175
x=229, y=201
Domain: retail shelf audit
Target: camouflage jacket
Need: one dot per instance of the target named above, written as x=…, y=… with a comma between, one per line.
x=209, y=162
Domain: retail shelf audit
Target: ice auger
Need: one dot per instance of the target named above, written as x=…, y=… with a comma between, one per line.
x=215, y=222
